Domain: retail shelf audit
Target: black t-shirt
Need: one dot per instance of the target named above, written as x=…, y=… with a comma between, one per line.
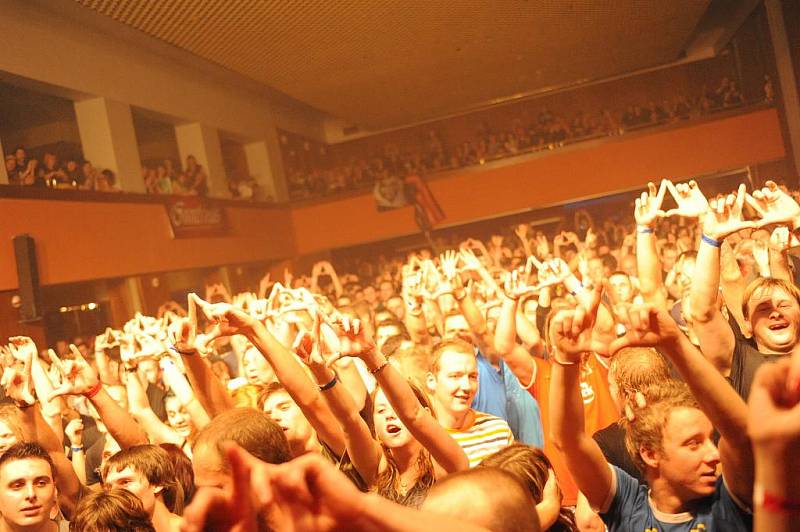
x=612, y=442
x=745, y=361
x=155, y=396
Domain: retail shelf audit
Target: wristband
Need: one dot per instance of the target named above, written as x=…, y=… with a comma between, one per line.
x=186, y=353
x=331, y=384
x=379, y=368
x=710, y=241
x=94, y=391
x=643, y=229
x=76, y=449
x=774, y=503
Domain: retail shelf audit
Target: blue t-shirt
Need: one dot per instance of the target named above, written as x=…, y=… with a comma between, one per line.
x=630, y=511
x=500, y=394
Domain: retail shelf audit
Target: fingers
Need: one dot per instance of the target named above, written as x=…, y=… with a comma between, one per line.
x=57, y=362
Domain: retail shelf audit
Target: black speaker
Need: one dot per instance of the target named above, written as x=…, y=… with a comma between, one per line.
x=28, y=277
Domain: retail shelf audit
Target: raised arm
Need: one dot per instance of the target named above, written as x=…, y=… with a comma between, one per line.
x=647, y=212
x=230, y=320
x=158, y=431
x=648, y=326
x=570, y=335
x=446, y=452
x=722, y=219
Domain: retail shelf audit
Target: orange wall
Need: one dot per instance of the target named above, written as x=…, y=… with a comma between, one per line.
x=547, y=178
x=77, y=241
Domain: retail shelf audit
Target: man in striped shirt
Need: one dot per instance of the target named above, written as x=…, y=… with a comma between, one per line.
x=453, y=383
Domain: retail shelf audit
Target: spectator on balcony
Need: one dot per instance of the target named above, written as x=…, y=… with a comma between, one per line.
x=74, y=176
x=163, y=180
x=50, y=173
x=89, y=175
x=11, y=170
x=106, y=182
x=195, y=179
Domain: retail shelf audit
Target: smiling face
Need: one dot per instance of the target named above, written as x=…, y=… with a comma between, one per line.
x=774, y=319
x=388, y=427
x=455, y=383
x=27, y=493
x=178, y=418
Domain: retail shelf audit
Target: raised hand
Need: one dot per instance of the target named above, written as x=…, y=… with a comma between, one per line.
x=354, y=341
x=74, y=432
x=470, y=261
x=648, y=205
x=782, y=239
x=16, y=378
x=448, y=262
x=552, y=272
x=521, y=231
x=691, y=201
x=775, y=206
x=645, y=326
x=542, y=246
x=516, y=282
x=724, y=215
x=773, y=422
x=571, y=334
x=77, y=376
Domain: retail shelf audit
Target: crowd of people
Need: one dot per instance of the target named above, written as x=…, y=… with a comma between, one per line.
x=639, y=374
x=166, y=178
x=51, y=172
x=548, y=130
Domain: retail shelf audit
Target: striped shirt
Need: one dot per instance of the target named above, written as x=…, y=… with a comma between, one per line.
x=487, y=435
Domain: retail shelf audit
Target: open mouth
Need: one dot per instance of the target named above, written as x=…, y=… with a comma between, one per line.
x=778, y=326
x=393, y=429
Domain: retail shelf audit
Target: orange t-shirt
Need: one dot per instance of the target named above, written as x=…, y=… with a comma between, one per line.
x=599, y=411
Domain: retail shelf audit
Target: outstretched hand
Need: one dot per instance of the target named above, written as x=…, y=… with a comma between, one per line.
x=77, y=376
x=354, y=341
x=774, y=206
x=725, y=217
x=645, y=326
x=691, y=201
x=648, y=205
x=16, y=379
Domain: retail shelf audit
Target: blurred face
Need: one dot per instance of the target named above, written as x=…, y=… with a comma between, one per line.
x=150, y=371
x=370, y=295
x=628, y=265
x=7, y=437
x=384, y=332
x=529, y=310
x=110, y=448
x=27, y=493
x=388, y=427
x=456, y=324
x=396, y=307
x=690, y=458
x=135, y=482
x=11, y=164
x=20, y=154
x=256, y=368
x=774, y=316
x=491, y=319
x=596, y=271
x=456, y=382
x=387, y=290
x=178, y=418
x=621, y=286
x=668, y=258
x=281, y=409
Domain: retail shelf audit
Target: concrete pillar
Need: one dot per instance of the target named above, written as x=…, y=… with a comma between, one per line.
x=260, y=168
x=109, y=140
x=203, y=142
x=786, y=76
x=3, y=173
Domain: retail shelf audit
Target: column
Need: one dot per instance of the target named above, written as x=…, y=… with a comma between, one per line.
x=786, y=77
x=3, y=173
x=203, y=142
x=261, y=169
x=109, y=140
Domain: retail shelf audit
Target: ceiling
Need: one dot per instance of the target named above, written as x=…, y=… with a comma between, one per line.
x=382, y=63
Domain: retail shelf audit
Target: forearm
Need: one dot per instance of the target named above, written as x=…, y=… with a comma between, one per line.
x=208, y=389
x=776, y=474
x=649, y=268
x=78, y=460
x=720, y=402
x=505, y=334
x=705, y=283
x=779, y=265
x=177, y=382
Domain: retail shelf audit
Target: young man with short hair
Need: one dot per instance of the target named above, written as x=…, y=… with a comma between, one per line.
x=453, y=383
x=27, y=489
